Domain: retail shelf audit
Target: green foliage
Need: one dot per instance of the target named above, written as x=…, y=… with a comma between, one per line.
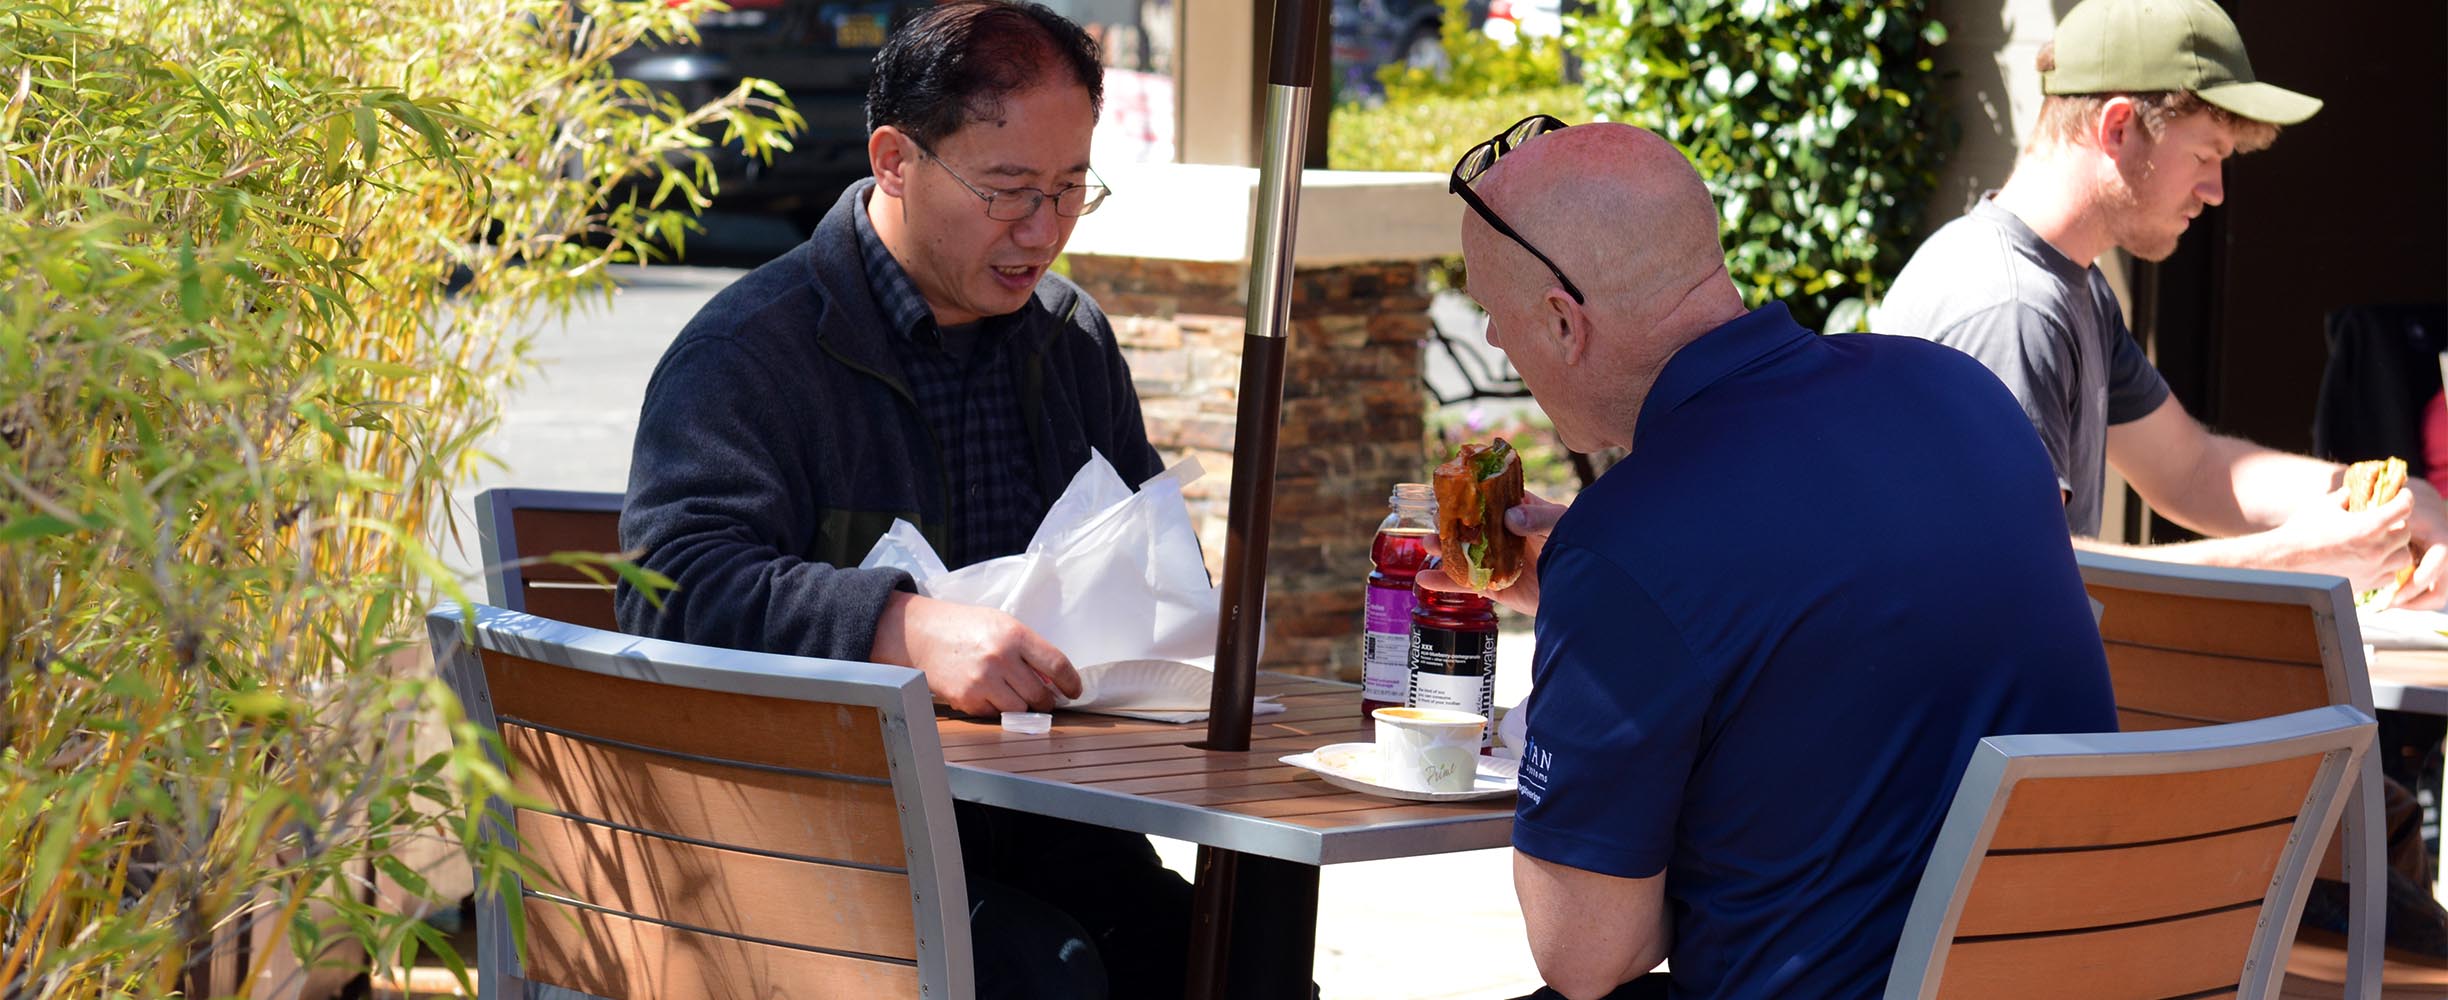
x=233, y=397
x=1815, y=122
x=1476, y=66
x=1429, y=133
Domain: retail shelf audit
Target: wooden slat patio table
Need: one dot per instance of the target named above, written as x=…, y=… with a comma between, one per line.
x=2410, y=680
x=1148, y=777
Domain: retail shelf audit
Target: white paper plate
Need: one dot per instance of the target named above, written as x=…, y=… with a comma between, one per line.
x=1143, y=686
x=1354, y=766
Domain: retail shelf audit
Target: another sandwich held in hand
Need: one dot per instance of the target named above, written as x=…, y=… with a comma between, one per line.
x=2368, y=485
x=1473, y=491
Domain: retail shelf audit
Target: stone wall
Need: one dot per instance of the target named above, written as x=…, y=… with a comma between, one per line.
x=1352, y=423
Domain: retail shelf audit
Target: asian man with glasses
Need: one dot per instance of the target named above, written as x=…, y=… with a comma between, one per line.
x=915, y=359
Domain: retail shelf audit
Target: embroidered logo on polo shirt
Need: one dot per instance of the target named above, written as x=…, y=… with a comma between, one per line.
x=1536, y=762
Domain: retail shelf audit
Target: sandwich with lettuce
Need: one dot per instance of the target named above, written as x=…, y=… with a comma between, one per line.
x=1473, y=491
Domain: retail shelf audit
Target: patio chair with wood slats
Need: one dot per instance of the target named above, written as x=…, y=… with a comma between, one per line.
x=2199, y=645
x=712, y=823
x=2145, y=865
x=517, y=524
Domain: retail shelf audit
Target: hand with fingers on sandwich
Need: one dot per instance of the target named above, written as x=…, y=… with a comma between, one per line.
x=1490, y=530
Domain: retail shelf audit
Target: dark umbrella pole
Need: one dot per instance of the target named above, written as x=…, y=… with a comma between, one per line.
x=1251, y=515
x=1284, y=924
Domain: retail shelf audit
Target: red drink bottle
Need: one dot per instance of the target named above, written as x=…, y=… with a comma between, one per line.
x=1399, y=551
x=1453, y=656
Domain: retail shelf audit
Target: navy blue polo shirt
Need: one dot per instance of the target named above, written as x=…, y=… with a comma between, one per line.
x=1769, y=638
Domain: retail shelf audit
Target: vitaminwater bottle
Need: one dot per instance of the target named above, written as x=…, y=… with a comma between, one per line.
x=1453, y=656
x=1399, y=551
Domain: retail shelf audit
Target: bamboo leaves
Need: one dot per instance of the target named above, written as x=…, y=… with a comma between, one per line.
x=234, y=396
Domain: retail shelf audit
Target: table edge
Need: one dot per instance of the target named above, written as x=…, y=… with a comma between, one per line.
x=1230, y=831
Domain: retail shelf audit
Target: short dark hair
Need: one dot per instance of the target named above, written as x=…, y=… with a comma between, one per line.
x=955, y=63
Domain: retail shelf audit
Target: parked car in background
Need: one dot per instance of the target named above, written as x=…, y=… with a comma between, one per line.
x=821, y=52
x=1369, y=34
x=1508, y=20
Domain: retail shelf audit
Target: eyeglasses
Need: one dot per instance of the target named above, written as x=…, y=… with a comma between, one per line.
x=1476, y=162
x=1015, y=204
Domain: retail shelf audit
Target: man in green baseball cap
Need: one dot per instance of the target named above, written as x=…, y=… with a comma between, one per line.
x=2152, y=46
x=2145, y=102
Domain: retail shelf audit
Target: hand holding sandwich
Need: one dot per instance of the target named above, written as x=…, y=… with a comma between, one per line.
x=2382, y=485
x=2412, y=507
x=1531, y=521
x=2429, y=587
x=1489, y=529
x=2361, y=533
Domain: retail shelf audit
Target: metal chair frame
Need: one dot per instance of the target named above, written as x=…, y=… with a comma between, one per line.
x=898, y=694
x=2348, y=676
x=497, y=534
x=1999, y=763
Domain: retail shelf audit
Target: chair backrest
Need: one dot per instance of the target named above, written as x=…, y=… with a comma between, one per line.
x=710, y=823
x=515, y=524
x=2151, y=864
x=2195, y=645
x=2200, y=645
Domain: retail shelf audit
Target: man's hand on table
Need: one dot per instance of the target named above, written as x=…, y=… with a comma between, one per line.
x=978, y=660
x=1532, y=519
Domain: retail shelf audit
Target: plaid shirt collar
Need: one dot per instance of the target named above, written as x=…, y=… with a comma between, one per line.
x=971, y=408
x=908, y=311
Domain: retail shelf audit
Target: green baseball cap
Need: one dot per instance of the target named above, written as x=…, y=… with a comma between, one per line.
x=2139, y=46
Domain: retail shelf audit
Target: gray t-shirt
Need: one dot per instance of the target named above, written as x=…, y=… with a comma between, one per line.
x=1988, y=286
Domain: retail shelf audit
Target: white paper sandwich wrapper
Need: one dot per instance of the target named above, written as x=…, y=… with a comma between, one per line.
x=1162, y=690
x=1113, y=578
x=2403, y=628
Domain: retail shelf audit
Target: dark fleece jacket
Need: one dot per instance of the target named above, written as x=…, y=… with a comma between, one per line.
x=779, y=440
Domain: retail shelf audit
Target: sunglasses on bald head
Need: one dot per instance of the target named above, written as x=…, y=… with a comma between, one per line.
x=1475, y=163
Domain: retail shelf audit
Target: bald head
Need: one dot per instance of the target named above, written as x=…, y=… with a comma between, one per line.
x=1621, y=213
x=1616, y=207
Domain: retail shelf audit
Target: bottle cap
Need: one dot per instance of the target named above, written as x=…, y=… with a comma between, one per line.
x=1028, y=723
